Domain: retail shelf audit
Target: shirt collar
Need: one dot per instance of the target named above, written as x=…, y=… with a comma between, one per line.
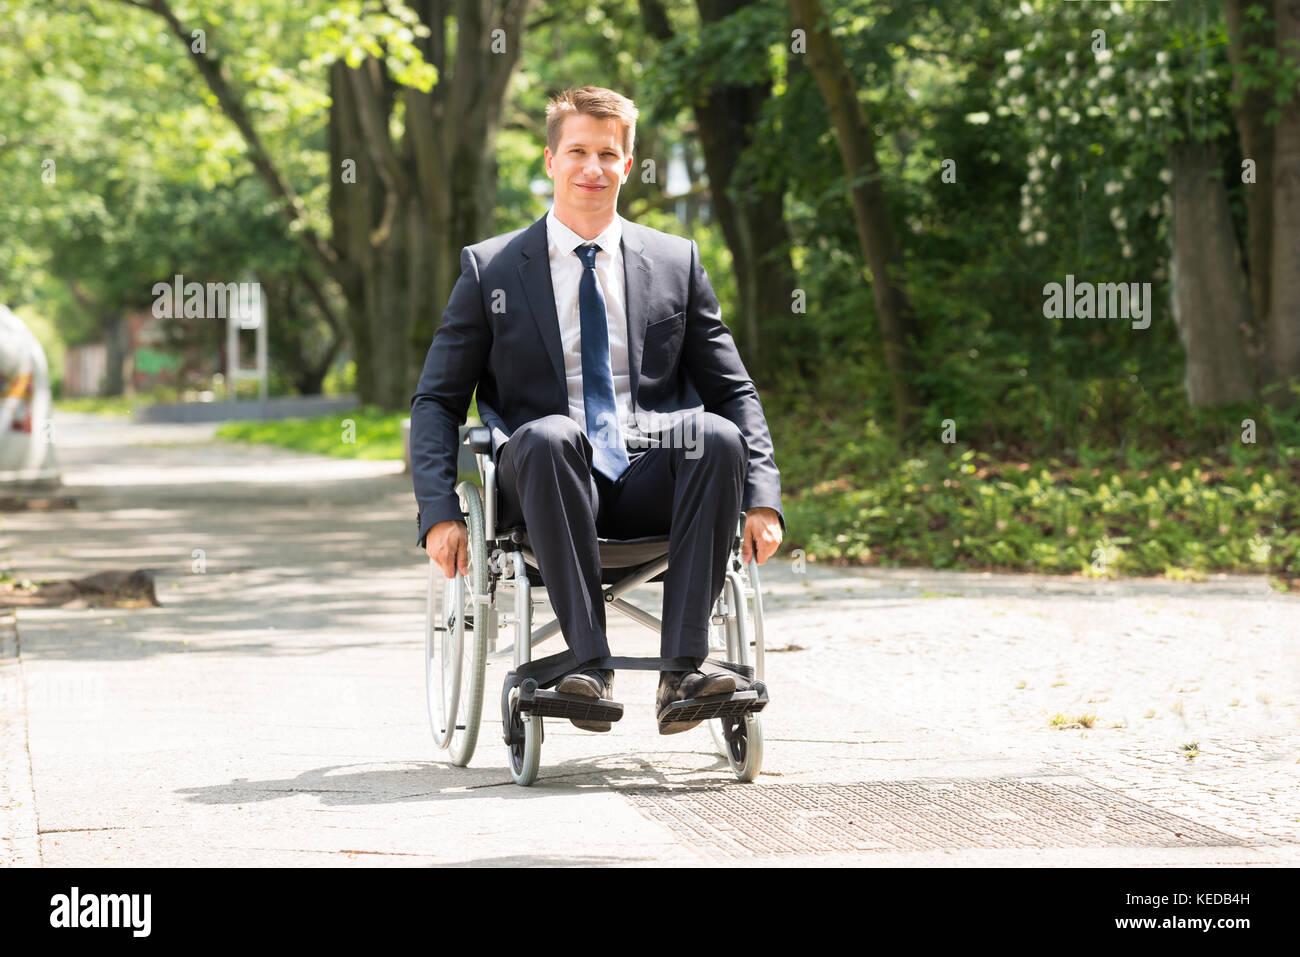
x=564, y=240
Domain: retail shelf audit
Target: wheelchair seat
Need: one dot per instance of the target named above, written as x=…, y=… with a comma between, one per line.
x=617, y=555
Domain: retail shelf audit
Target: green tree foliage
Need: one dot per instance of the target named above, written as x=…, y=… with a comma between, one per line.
x=121, y=177
x=1013, y=148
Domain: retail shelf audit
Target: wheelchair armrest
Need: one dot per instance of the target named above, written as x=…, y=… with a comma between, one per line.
x=479, y=439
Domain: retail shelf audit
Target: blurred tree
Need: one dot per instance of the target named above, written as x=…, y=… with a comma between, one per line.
x=1139, y=102
x=412, y=175
x=1251, y=41
x=328, y=148
x=423, y=190
x=724, y=73
x=876, y=235
x=1284, y=283
x=120, y=181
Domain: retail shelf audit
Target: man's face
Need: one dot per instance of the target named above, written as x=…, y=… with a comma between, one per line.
x=588, y=165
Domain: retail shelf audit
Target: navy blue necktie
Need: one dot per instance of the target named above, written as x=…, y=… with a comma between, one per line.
x=609, y=456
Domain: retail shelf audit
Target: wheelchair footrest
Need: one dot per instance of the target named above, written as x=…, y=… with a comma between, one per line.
x=691, y=711
x=554, y=704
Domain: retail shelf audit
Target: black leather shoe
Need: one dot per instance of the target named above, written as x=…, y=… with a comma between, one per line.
x=589, y=683
x=680, y=685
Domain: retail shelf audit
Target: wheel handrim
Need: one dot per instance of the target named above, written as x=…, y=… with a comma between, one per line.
x=447, y=638
x=465, y=629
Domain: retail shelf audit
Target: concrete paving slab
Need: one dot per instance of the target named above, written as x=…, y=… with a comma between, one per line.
x=272, y=711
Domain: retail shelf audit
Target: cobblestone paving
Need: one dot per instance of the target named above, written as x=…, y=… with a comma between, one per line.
x=1247, y=788
x=1018, y=665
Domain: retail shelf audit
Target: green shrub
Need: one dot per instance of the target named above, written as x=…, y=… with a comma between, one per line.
x=965, y=509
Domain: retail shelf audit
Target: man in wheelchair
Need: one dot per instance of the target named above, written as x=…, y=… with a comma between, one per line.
x=618, y=406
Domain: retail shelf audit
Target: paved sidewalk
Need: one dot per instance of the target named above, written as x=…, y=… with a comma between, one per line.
x=272, y=711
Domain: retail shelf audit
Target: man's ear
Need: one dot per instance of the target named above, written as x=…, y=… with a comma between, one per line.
x=628, y=168
x=546, y=162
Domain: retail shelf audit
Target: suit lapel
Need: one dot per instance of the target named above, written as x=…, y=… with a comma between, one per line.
x=636, y=274
x=539, y=294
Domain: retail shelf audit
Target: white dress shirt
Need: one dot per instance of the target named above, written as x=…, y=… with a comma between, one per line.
x=566, y=273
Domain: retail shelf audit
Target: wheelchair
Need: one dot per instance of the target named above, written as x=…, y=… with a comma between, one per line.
x=462, y=619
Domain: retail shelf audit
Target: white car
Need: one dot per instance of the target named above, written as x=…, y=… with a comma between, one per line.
x=26, y=438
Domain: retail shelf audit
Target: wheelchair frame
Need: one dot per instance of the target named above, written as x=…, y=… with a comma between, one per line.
x=461, y=632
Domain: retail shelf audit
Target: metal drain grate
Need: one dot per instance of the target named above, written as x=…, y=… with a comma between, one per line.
x=950, y=813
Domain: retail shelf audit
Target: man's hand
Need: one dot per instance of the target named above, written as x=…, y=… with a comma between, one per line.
x=762, y=534
x=448, y=544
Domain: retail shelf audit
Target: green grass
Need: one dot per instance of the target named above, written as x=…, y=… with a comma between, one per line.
x=371, y=434
x=116, y=405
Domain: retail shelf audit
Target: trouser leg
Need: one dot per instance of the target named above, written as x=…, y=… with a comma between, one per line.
x=544, y=477
x=692, y=490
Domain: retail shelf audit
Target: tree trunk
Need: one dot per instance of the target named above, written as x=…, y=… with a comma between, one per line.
x=117, y=341
x=416, y=202
x=693, y=200
x=1284, y=294
x=450, y=150
x=752, y=221
x=371, y=229
x=725, y=116
x=870, y=209
x=1256, y=136
x=1211, y=304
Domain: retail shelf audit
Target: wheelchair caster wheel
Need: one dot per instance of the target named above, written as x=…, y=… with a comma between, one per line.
x=525, y=755
x=740, y=739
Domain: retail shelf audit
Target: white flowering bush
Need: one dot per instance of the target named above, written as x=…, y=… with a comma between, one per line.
x=1102, y=90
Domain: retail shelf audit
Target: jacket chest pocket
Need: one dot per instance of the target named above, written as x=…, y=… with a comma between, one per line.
x=662, y=347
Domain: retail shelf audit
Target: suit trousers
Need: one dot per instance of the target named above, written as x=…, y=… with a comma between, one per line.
x=689, y=489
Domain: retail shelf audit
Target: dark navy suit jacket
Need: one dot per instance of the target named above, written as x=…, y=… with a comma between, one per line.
x=500, y=333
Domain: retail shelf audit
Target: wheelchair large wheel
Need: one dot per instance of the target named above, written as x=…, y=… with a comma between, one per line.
x=738, y=738
x=525, y=758
x=455, y=642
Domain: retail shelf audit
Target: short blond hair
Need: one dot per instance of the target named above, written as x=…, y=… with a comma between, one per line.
x=594, y=101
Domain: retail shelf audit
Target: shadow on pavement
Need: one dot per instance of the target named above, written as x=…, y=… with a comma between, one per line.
x=438, y=781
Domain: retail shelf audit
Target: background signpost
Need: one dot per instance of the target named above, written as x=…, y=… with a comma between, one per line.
x=254, y=317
